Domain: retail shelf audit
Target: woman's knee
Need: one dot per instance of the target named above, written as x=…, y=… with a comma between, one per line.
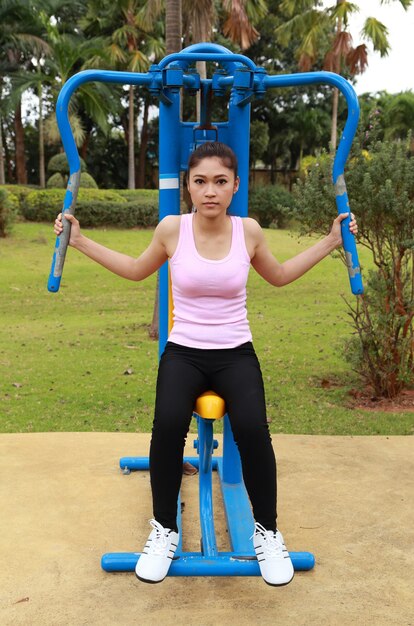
x=251, y=433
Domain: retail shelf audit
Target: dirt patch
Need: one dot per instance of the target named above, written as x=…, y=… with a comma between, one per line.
x=65, y=502
x=367, y=400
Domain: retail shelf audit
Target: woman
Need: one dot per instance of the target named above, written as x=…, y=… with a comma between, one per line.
x=210, y=347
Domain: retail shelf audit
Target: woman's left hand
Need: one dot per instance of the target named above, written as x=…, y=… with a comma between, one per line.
x=335, y=233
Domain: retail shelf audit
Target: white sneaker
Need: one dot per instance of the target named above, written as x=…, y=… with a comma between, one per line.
x=274, y=560
x=155, y=561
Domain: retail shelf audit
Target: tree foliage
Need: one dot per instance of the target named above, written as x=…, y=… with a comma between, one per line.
x=380, y=186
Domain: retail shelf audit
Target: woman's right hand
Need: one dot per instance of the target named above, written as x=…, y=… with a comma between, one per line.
x=75, y=233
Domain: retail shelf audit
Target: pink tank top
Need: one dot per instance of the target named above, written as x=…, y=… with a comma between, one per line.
x=209, y=296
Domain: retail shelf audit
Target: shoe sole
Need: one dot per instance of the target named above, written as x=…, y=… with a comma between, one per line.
x=146, y=580
x=279, y=584
x=155, y=582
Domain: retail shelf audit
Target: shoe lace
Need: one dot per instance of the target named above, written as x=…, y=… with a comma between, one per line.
x=271, y=543
x=159, y=544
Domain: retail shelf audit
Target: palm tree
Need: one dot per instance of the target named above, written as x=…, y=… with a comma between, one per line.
x=2, y=172
x=35, y=55
x=93, y=102
x=326, y=30
x=128, y=46
x=399, y=114
x=20, y=40
x=173, y=38
x=201, y=16
x=173, y=26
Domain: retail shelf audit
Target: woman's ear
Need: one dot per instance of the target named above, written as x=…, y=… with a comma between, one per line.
x=236, y=185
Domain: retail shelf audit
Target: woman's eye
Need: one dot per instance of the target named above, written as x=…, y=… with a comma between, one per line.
x=198, y=181
x=223, y=181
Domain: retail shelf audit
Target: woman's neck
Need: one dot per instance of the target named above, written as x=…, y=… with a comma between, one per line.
x=213, y=224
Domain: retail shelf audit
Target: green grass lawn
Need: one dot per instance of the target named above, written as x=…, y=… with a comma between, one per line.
x=63, y=357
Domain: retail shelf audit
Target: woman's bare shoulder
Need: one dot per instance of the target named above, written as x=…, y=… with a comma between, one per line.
x=168, y=231
x=170, y=222
x=252, y=235
x=169, y=225
x=252, y=228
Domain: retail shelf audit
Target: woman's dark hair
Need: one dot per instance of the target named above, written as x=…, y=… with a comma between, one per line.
x=212, y=149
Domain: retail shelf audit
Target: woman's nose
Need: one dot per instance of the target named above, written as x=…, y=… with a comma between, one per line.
x=210, y=191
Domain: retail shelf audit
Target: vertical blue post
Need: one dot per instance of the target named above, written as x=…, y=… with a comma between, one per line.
x=169, y=190
x=205, y=451
x=239, y=141
x=232, y=470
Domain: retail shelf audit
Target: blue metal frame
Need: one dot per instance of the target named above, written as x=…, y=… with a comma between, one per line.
x=177, y=140
x=241, y=559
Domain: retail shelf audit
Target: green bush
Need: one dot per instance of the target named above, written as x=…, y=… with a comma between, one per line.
x=43, y=205
x=94, y=207
x=58, y=181
x=87, y=182
x=9, y=205
x=309, y=161
x=270, y=205
x=381, y=194
x=139, y=195
x=20, y=192
x=59, y=164
x=125, y=215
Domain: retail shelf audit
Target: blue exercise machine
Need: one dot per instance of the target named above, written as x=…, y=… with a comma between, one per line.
x=177, y=139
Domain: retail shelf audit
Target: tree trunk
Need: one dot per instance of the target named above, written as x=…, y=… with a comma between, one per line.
x=2, y=173
x=84, y=147
x=42, y=176
x=335, y=98
x=131, y=140
x=143, y=146
x=173, y=44
x=335, y=95
x=21, y=172
x=173, y=26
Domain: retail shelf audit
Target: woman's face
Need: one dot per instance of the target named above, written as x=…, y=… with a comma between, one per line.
x=211, y=186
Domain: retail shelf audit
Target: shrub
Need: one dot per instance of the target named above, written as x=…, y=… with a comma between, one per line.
x=59, y=164
x=95, y=207
x=87, y=182
x=270, y=205
x=381, y=193
x=8, y=210
x=58, y=181
x=309, y=161
x=43, y=205
x=139, y=194
x=20, y=192
x=122, y=214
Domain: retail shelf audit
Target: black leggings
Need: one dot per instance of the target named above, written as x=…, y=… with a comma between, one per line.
x=235, y=375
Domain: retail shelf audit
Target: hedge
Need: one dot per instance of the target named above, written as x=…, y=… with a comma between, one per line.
x=59, y=163
x=271, y=205
x=20, y=191
x=9, y=204
x=95, y=207
x=59, y=181
x=139, y=194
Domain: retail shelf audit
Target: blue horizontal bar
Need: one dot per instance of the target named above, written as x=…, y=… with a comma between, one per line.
x=134, y=463
x=191, y=57
x=195, y=564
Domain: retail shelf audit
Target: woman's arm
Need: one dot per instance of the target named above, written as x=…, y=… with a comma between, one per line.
x=121, y=264
x=280, y=274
